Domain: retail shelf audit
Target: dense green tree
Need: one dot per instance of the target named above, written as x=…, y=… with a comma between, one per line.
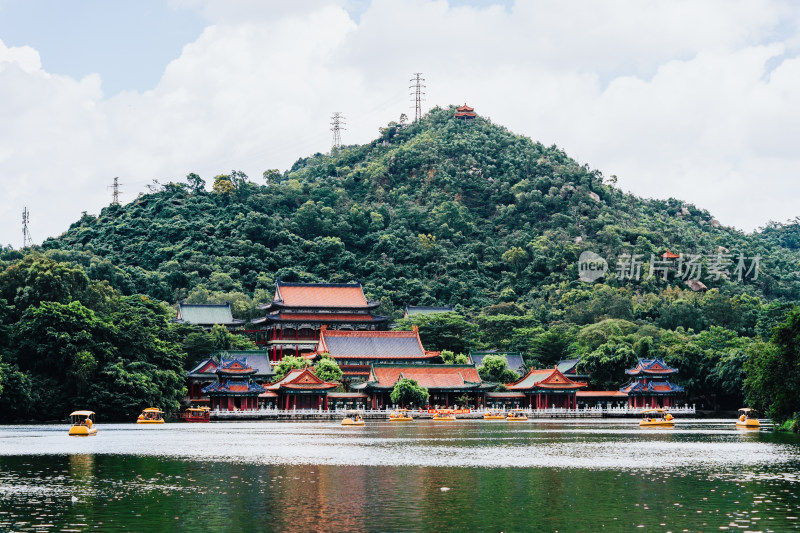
x=494, y=369
x=772, y=381
x=408, y=392
x=289, y=363
x=326, y=369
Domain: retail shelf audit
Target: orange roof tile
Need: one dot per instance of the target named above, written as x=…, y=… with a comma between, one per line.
x=320, y=295
x=300, y=379
x=545, y=379
x=428, y=376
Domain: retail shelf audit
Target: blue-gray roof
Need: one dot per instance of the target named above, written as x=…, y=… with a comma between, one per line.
x=373, y=346
x=207, y=314
x=422, y=310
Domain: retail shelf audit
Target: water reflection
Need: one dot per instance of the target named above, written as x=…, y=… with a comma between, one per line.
x=387, y=477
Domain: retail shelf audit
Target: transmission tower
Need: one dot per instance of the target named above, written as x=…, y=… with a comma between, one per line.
x=417, y=86
x=115, y=191
x=337, y=124
x=27, y=240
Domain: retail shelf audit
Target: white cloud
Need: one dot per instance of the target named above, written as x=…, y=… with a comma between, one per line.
x=684, y=99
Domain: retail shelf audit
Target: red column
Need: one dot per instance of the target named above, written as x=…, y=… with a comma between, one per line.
x=326, y=402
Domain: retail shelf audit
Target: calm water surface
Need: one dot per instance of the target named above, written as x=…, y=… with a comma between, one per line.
x=601, y=475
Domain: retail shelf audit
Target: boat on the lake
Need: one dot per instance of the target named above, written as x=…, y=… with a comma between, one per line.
x=83, y=424
x=444, y=415
x=196, y=414
x=400, y=415
x=517, y=415
x=353, y=419
x=748, y=419
x=151, y=415
x=656, y=418
x=494, y=414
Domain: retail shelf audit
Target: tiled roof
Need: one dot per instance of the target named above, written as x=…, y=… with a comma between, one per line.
x=651, y=366
x=302, y=379
x=568, y=366
x=372, y=344
x=233, y=387
x=428, y=376
x=207, y=314
x=235, y=366
x=514, y=359
x=658, y=387
x=465, y=107
x=255, y=359
x=320, y=295
x=550, y=379
x=206, y=367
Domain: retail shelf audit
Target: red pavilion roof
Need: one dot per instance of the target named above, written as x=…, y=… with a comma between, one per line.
x=545, y=379
x=320, y=295
x=669, y=255
x=302, y=379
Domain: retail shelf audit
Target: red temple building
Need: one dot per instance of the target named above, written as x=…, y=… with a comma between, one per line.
x=547, y=388
x=651, y=386
x=356, y=351
x=302, y=389
x=445, y=383
x=465, y=112
x=205, y=372
x=299, y=311
x=235, y=389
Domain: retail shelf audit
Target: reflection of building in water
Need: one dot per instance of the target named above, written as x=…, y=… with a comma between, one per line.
x=651, y=386
x=81, y=466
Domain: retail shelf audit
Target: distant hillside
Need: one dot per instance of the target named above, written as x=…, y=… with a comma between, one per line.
x=441, y=212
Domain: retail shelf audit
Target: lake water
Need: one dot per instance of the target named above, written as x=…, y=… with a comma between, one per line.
x=598, y=475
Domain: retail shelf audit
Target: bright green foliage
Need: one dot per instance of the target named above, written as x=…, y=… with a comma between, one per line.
x=289, y=363
x=772, y=373
x=326, y=369
x=494, y=369
x=450, y=358
x=407, y=392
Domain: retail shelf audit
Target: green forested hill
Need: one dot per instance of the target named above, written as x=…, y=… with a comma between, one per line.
x=441, y=212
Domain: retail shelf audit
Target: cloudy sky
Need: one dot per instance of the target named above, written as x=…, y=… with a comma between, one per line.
x=685, y=99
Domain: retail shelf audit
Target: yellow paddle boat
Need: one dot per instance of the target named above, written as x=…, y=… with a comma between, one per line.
x=517, y=415
x=748, y=419
x=151, y=415
x=493, y=414
x=82, y=424
x=401, y=415
x=353, y=419
x=656, y=418
x=444, y=415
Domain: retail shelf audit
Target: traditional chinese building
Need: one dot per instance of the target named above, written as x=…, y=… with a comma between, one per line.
x=205, y=372
x=298, y=312
x=547, y=388
x=447, y=385
x=235, y=388
x=356, y=351
x=302, y=389
x=650, y=386
x=208, y=315
x=569, y=367
x=465, y=112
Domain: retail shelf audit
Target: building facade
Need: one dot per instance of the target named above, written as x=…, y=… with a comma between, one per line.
x=650, y=386
x=298, y=312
